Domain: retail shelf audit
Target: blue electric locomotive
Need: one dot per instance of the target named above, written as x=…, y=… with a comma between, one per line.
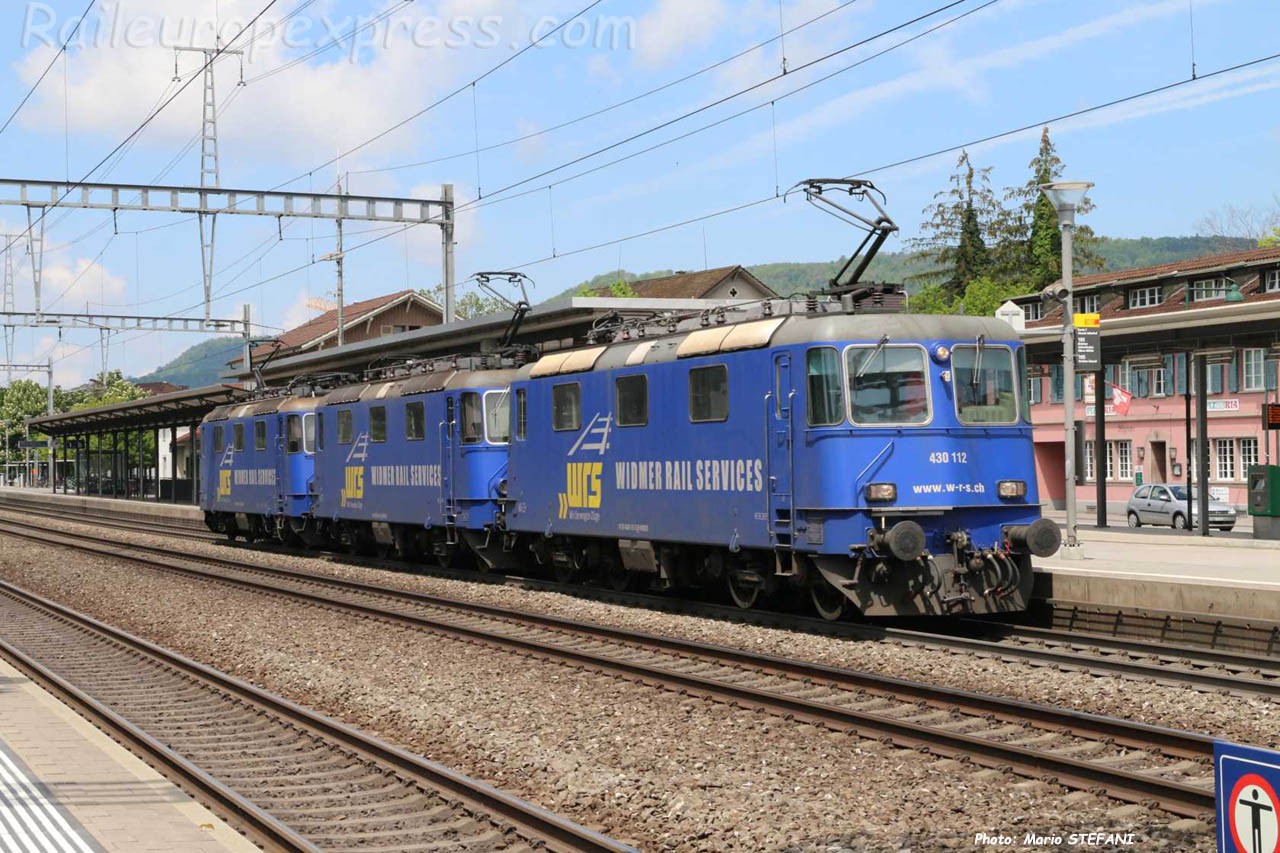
x=256, y=466
x=412, y=464
x=884, y=462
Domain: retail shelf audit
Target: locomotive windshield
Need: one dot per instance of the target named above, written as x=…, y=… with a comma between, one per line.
x=984, y=385
x=888, y=385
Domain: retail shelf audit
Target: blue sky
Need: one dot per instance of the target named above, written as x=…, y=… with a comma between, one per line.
x=1159, y=163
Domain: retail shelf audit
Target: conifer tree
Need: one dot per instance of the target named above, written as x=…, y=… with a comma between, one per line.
x=960, y=227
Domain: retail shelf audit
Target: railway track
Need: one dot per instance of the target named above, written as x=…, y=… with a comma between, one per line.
x=1250, y=673
x=1128, y=761
x=295, y=780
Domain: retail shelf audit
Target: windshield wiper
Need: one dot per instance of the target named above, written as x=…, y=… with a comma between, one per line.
x=977, y=362
x=866, y=365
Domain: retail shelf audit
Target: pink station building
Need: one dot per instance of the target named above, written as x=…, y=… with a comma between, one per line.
x=1226, y=308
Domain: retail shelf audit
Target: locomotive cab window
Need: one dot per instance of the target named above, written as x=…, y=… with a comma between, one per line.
x=985, y=385
x=497, y=416
x=293, y=433
x=309, y=433
x=472, y=418
x=415, y=421
x=633, y=400
x=522, y=415
x=378, y=424
x=824, y=387
x=345, y=427
x=238, y=432
x=709, y=394
x=566, y=404
x=888, y=385
x=259, y=435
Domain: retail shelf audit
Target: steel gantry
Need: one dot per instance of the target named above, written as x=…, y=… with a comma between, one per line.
x=40, y=196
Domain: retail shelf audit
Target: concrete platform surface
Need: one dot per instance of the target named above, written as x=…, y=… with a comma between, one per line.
x=65, y=786
x=142, y=509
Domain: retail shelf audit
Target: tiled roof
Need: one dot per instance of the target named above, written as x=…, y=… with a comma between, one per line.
x=688, y=285
x=327, y=323
x=1179, y=268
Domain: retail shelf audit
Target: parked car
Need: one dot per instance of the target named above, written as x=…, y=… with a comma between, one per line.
x=1166, y=503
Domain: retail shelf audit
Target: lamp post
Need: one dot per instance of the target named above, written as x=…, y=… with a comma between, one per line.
x=1066, y=196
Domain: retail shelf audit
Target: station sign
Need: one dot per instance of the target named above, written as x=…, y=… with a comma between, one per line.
x=1246, y=781
x=1088, y=338
x=1271, y=416
x=34, y=445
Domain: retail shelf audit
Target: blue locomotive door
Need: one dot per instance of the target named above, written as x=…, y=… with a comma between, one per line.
x=778, y=451
x=448, y=464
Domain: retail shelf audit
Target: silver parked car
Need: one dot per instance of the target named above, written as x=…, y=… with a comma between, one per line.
x=1166, y=503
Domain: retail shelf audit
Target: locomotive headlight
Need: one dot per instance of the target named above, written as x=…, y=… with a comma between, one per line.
x=941, y=353
x=1012, y=488
x=882, y=492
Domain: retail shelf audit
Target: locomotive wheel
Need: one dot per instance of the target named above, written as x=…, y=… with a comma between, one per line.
x=745, y=594
x=618, y=578
x=827, y=600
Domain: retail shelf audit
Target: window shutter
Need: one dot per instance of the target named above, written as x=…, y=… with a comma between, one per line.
x=1079, y=387
x=1055, y=381
x=1142, y=383
x=1233, y=373
x=1269, y=368
x=1180, y=373
x=1168, y=374
x=1111, y=378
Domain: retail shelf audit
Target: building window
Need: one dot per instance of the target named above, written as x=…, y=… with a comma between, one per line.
x=1255, y=370
x=1035, y=390
x=632, y=400
x=1248, y=455
x=259, y=435
x=1089, y=472
x=345, y=427
x=1121, y=467
x=1208, y=288
x=1224, y=458
x=378, y=424
x=566, y=405
x=1145, y=297
x=709, y=394
x=1273, y=281
x=522, y=415
x=1089, y=304
x=415, y=421
x=1033, y=311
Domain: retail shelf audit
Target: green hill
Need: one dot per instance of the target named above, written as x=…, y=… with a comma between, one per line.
x=203, y=364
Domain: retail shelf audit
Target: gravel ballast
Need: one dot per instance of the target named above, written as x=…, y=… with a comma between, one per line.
x=662, y=770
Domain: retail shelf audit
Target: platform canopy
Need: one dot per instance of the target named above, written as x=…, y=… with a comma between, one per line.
x=163, y=411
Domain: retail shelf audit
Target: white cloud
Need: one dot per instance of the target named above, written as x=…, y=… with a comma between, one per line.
x=671, y=27
x=73, y=284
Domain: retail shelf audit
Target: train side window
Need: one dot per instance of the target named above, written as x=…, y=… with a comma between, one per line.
x=709, y=394
x=217, y=439
x=309, y=433
x=824, y=387
x=345, y=429
x=566, y=406
x=522, y=415
x=237, y=432
x=320, y=431
x=378, y=424
x=472, y=418
x=497, y=416
x=633, y=400
x=293, y=433
x=415, y=421
x=259, y=435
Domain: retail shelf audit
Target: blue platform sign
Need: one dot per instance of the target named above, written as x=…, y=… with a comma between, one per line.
x=1247, y=781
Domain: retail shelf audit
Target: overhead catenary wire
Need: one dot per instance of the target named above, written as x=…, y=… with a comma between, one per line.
x=614, y=106
x=62, y=50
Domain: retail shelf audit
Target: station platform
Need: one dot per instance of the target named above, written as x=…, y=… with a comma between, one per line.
x=66, y=786
x=142, y=510
x=1223, y=575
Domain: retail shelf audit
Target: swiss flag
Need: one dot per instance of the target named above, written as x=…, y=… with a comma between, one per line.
x=1122, y=399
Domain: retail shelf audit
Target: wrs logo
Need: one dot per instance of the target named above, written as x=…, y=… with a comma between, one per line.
x=353, y=475
x=224, y=484
x=582, y=479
